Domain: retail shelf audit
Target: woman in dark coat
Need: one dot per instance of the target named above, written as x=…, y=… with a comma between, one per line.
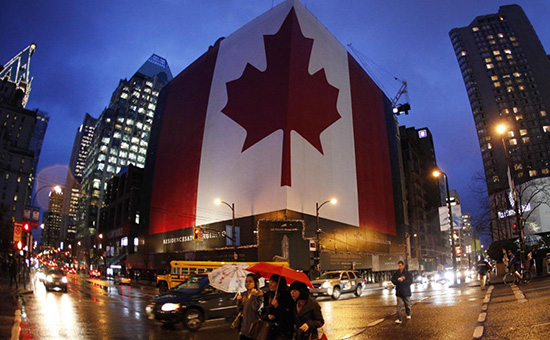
x=307, y=312
x=278, y=309
x=249, y=304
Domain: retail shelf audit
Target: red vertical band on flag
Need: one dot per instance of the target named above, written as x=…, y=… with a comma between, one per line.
x=372, y=155
x=177, y=163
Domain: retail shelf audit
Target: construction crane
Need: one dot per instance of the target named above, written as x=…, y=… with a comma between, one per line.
x=397, y=107
x=403, y=108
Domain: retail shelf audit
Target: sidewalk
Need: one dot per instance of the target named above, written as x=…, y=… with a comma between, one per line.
x=8, y=306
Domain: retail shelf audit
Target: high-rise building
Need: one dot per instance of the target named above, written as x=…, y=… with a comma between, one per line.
x=81, y=147
x=224, y=129
x=423, y=197
x=52, y=219
x=121, y=138
x=507, y=76
x=21, y=132
x=120, y=215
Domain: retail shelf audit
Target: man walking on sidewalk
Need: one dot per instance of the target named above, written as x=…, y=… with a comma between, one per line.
x=402, y=280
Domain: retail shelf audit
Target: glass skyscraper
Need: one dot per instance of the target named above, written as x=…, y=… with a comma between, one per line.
x=121, y=138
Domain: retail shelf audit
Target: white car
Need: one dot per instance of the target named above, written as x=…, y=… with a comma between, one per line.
x=336, y=283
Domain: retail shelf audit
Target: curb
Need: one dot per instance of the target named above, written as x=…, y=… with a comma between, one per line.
x=480, y=329
x=16, y=328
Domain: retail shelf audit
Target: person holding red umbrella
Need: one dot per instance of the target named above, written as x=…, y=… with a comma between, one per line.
x=278, y=309
x=307, y=313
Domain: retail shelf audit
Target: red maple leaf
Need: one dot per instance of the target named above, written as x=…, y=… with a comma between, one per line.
x=284, y=96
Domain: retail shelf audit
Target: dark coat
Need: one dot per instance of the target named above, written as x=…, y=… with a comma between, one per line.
x=402, y=289
x=312, y=316
x=283, y=324
x=249, y=306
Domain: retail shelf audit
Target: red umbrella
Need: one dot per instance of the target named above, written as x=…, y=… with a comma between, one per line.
x=264, y=269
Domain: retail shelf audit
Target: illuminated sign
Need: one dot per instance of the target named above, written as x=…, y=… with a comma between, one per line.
x=511, y=212
x=422, y=133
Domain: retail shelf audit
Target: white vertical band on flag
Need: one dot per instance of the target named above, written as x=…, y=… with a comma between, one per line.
x=252, y=179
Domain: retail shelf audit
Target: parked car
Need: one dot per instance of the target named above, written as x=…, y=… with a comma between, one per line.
x=191, y=303
x=336, y=283
x=56, y=278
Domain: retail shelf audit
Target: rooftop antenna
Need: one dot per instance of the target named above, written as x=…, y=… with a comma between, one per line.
x=17, y=70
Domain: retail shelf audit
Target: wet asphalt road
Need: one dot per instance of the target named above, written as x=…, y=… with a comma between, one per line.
x=89, y=311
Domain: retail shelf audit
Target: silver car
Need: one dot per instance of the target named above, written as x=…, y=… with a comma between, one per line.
x=336, y=283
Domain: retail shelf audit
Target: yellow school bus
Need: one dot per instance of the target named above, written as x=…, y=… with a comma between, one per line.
x=181, y=270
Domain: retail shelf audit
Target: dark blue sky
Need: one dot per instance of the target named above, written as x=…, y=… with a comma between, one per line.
x=85, y=47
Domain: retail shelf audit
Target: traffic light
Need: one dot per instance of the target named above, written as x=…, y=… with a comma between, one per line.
x=515, y=227
x=19, y=245
x=196, y=234
x=26, y=227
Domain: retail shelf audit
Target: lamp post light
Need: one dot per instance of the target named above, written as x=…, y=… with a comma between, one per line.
x=233, y=231
x=317, y=258
x=436, y=174
x=102, y=252
x=501, y=130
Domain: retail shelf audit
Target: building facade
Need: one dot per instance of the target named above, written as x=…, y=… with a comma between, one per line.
x=121, y=138
x=120, y=216
x=21, y=132
x=276, y=143
x=422, y=192
x=73, y=183
x=507, y=76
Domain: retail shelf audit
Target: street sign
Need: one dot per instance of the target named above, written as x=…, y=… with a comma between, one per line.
x=17, y=230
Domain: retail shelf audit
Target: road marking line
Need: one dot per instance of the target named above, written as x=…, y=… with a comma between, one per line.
x=482, y=317
x=478, y=333
x=484, y=307
x=372, y=324
x=518, y=294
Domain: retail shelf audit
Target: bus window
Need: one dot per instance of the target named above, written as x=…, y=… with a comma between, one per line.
x=184, y=271
x=175, y=271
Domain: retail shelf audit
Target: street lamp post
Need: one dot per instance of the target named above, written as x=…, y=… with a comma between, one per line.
x=501, y=130
x=317, y=257
x=233, y=231
x=438, y=173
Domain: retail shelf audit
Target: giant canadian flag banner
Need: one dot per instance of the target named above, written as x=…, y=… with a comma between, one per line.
x=276, y=116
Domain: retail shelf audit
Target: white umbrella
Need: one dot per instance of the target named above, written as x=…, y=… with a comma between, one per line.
x=229, y=278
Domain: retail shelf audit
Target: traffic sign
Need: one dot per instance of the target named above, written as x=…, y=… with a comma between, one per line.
x=17, y=230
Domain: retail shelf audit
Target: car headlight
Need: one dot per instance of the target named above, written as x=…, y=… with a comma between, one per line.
x=169, y=307
x=64, y=279
x=325, y=285
x=449, y=276
x=49, y=278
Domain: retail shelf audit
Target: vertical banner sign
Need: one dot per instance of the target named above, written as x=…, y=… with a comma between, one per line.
x=444, y=217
